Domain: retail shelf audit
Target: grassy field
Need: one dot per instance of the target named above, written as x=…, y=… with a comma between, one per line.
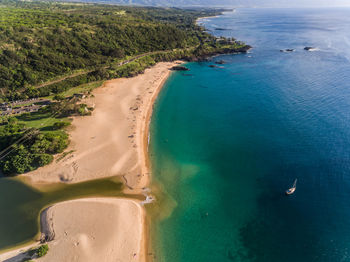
x=85, y=88
x=42, y=121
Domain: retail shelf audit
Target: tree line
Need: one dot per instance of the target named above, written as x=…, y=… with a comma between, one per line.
x=40, y=40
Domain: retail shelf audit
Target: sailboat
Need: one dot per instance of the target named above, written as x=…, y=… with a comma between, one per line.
x=292, y=189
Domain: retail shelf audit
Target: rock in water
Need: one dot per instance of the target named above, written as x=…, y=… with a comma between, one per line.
x=309, y=48
x=220, y=62
x=180, y=68
x=287, y=50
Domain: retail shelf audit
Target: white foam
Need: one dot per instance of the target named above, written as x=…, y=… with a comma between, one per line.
x=149, y=199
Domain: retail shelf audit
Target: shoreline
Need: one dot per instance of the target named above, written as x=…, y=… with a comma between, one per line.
x=214, y=16
x=127, y=125
x=147, y=245
x=155, y=78
x=147, y=122
x=145, y=129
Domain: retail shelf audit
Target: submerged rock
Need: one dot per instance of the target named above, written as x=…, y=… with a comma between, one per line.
x=309, y=48
x=180, y=68
x=220, y=62
x=287, y=50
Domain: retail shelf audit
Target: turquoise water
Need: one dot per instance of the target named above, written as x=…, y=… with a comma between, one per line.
x=227, y=142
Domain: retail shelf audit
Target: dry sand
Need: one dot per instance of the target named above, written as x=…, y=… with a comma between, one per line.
x=89, y=230
x=113, y=141
x=98, y=229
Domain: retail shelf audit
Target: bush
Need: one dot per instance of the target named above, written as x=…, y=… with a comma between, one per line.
x=59, y=97
x=44, y=159
x=42, y=250
x=35, y=152
x=19, y=162
x=62, y=124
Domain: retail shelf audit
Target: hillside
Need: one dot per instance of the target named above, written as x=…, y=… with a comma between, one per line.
x=41, y=41
x=59, y=52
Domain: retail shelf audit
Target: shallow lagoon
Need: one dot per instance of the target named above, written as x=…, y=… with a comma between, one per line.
x=21, y=204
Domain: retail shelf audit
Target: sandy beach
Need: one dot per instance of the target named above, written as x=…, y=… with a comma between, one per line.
x=90, y=229
x=112, y=141
x=111, y=230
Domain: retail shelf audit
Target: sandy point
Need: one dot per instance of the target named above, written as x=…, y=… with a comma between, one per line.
x=90, y=229
x=97, y=229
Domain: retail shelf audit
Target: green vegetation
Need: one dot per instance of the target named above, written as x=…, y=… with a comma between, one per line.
x=42, y=250
x=42, y=42
x=34, y=148
x=84, y=88
x=64, y=154
x=29, y=140
x=56, y=50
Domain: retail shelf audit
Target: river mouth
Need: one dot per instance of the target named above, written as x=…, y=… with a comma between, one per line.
x=20, y=204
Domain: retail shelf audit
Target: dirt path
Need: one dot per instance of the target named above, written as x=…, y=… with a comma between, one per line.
x=89, y=71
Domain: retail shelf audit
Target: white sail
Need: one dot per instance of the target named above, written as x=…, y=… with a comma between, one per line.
x=295, y=183
x=292, y=189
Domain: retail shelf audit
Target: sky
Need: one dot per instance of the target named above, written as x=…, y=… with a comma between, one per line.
x=292, y=3
x=243, y=3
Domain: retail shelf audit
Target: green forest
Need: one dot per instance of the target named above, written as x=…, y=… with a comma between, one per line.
x=40, y=41
x=50, y=48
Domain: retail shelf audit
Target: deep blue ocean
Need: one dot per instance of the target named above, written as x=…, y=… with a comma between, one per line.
x=227, y=142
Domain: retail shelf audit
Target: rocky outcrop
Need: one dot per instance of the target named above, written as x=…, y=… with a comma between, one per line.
x=223, y=51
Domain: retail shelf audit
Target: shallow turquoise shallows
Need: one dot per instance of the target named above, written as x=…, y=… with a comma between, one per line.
x=227, y=142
